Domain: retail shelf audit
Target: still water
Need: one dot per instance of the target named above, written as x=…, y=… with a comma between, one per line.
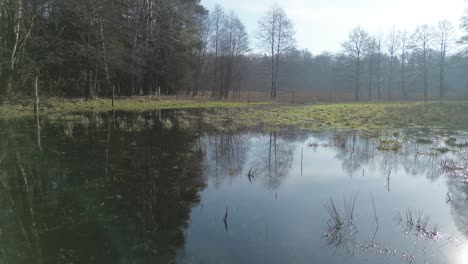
x=161, y=188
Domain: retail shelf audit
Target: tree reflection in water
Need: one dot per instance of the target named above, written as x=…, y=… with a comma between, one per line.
x=122, y=194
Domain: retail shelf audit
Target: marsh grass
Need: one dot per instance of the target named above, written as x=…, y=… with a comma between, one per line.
x=341, y=228
x=416, y=224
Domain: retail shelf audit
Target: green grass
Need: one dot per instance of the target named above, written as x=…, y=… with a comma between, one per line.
x=362, y=116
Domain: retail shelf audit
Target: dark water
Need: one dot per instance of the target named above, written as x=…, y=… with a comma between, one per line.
x=161, y=188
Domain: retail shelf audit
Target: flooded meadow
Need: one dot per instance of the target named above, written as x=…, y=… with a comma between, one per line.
x=170, y=187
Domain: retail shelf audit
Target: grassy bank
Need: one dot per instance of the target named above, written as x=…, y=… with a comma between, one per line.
x=447, y=115
x=64, y=106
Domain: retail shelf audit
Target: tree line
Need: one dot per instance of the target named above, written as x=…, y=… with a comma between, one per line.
x=87, y=48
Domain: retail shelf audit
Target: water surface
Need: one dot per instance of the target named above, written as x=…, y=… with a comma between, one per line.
x=158, y=187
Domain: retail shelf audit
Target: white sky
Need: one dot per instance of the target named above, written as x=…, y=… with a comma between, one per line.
x=322, y=25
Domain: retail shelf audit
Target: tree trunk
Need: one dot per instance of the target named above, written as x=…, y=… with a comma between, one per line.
x=425, y=74
x=369, y=96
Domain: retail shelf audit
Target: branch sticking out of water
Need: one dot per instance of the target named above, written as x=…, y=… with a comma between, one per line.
x=251, y=174
x=225, y=219
x=376, y=218
x=448, y=198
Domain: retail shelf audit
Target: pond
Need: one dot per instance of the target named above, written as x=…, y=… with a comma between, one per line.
x=166, y=187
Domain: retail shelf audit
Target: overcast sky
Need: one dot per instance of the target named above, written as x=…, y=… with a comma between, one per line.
x=322, y=25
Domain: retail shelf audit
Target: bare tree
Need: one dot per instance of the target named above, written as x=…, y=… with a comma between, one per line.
x=403, y=39
x=422, y=40
x=276, y=36
x=379, y=59
x=392, y=47
x=233, y=45
x=445, y=39
x=355, y=47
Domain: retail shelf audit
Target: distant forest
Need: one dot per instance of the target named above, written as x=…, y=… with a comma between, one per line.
x=89, y=48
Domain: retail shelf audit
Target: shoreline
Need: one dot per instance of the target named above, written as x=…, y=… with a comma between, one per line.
x=65, y=105
x=318, y=116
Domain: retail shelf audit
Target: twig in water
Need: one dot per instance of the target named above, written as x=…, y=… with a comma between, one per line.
x=375, y=218
x=225, y=219
x=448, y=198
x=302, y=158
x=388, y=180
x=251, y=174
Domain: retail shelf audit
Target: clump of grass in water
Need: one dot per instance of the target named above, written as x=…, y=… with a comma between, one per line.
x=443, y=150
x=417, y=224
x=424, y=141
x=389, y=145
x=341, y=228
x=452, y=142
x=341, y=233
